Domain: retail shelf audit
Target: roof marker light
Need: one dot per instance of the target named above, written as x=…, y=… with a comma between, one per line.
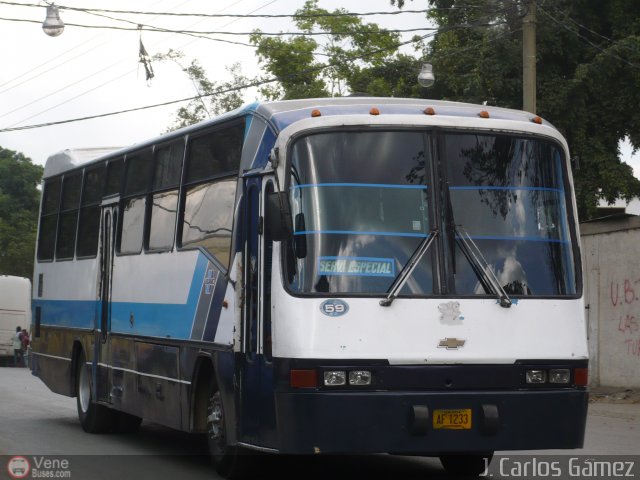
x=429, y=111
x=316, y=113
x=374, y=111
x=537, y=120
x=483, y=114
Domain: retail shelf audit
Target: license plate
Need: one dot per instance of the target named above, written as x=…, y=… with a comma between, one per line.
x=452, y=419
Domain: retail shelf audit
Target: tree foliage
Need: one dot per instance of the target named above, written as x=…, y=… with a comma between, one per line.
x=213, y=98
x=19, y=203
x=588, y=76
x=588, y=71
x=351, y=57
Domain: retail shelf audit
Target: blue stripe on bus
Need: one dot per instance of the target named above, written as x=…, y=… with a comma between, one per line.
x=530, y=189
x=247, y=127
x=152, y=319
x=352, y=232
x=372, y=185
x=169, y=320
x=161, y=319
x=69, y=313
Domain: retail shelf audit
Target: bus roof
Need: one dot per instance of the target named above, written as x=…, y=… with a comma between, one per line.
x=280, y=114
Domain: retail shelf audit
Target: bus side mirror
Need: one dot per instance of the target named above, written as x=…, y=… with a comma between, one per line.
x=278, y=215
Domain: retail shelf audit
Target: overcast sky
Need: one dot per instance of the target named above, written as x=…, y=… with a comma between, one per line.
x=88, y=71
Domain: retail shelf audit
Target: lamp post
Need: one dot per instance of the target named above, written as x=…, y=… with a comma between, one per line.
x=52, y=24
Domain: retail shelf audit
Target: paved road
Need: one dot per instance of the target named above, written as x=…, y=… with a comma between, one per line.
x=37, y=422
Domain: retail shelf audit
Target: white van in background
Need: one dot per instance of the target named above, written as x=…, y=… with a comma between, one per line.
x=15, y=310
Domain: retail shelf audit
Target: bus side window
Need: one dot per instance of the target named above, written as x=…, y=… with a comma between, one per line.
x=137, y=182
x=89, y=222
x=164, y=201
x=210, y=179
x=114, y=177
x=49, y=219
x=66, y=244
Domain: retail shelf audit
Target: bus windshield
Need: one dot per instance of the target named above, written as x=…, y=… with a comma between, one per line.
x=363, y=201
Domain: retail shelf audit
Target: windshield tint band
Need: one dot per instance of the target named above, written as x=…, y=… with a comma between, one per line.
x=352, y=232
x=370, y=185
x=526, y=189
x=517, y=239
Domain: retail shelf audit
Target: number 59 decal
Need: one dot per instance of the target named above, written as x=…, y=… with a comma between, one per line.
x=334, y=307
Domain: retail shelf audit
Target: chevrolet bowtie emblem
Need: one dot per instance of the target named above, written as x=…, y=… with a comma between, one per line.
x=451, y=343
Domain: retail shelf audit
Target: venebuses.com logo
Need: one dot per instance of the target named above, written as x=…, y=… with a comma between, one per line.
x=18, y=467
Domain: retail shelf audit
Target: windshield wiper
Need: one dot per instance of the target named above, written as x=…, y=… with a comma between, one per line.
x=408, y=268
x=481, y=267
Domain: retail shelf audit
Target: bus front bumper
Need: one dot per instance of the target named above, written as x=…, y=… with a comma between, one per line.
x=402, y=422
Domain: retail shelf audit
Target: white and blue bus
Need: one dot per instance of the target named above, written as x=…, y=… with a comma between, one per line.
x=344, y=275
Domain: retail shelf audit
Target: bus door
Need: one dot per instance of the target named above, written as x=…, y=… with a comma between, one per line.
x=257, y=406
x=107, y=248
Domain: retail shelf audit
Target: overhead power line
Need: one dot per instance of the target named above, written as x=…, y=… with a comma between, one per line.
x=246, y=15
x=256, y=83
x=271, y=34
x=227, y=90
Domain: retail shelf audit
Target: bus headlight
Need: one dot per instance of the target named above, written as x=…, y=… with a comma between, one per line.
x=360, y=377
x=335, y=378
x=536, y=376
x=559, y=375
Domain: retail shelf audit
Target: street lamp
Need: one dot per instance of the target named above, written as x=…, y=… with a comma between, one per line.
x=426, y=77
x=52, y=25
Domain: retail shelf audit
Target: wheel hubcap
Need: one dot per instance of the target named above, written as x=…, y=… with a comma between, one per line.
x=84, y=389
x=215, y=419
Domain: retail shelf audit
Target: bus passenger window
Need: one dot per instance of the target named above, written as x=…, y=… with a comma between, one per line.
x=164, y=206
x=89, y=223
x=66, y=244
x=132, y=225
x=138, y=174
x=208, y=218
x=114, y=177
x=215, y=154
x=49, y=219
x=163, y=220
x=212, y=164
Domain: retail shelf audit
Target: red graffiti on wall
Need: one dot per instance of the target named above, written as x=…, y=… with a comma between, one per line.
x=628, y=324
x=633, y=347
x=625, y=295
x=625, y=298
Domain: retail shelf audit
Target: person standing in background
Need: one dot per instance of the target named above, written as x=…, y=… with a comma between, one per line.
x=25, y=347
x=17, y=347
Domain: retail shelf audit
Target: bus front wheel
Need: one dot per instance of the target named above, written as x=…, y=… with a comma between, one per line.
x=224, y=457
x=94, y=418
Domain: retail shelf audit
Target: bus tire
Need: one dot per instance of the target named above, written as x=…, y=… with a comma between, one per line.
x=94, y=418
x=466, y=465
x=225, y=457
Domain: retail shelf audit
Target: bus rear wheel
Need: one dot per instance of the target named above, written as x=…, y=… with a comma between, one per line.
x=94, y=418
x=466, y=465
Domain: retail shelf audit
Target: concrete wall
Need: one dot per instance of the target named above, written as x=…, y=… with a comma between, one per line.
x=611, y=261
